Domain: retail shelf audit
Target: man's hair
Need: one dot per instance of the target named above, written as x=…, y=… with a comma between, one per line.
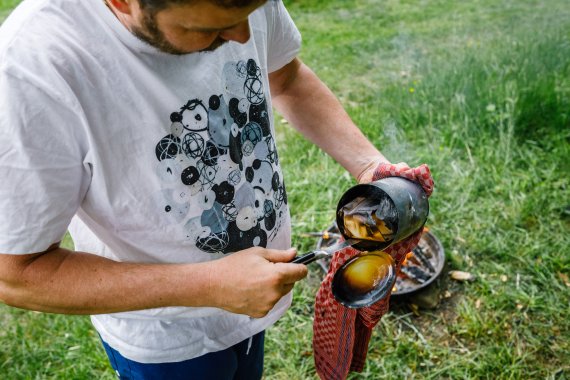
x=154, y=6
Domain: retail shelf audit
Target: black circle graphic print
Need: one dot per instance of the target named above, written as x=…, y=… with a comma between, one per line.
x=167, y=147
x=220, y=157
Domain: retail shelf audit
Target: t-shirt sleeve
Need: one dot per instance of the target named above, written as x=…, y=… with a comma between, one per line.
x=284, y=39
x=42, y=176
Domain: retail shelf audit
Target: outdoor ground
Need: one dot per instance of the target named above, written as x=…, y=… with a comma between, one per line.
x=479, y=90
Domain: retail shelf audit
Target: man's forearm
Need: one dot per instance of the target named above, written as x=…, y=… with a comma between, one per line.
x=62, y=281
x=307, y=103
x=247, y=282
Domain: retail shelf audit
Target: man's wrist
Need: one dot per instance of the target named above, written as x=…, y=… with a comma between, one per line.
x=368, y=167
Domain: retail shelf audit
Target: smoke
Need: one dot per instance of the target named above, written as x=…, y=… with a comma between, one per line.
x=394, y=144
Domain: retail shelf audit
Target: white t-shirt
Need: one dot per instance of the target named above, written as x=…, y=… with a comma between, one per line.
x=144, y=156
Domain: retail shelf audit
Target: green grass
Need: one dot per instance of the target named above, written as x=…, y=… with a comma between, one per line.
x=480, y=91
x=6, y=6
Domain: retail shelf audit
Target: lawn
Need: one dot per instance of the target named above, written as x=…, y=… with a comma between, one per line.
x=480, y=91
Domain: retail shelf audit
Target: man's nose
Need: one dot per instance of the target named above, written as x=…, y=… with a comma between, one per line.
x=238, y=33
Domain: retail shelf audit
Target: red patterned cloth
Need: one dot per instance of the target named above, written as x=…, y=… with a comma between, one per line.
x=340, y=334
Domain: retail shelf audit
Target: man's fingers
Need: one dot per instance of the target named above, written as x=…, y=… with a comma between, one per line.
x=287, y=288
x=279, y=256
x=291, y=273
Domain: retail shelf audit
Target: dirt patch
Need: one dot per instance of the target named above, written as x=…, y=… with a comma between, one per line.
x=432, y=322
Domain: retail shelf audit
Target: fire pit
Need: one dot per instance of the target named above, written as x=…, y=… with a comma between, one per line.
x=420, y=269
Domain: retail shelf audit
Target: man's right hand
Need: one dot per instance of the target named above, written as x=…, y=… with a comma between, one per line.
x=253, y=280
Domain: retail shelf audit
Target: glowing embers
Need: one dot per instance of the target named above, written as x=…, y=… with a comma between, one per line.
x=362, y=221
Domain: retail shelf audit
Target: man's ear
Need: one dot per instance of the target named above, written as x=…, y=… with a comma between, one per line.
x=123, y=6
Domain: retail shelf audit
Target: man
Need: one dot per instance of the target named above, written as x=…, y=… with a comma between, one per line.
x=145, y=127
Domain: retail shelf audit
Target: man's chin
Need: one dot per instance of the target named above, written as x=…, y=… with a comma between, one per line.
x=216, y=44
x=172, y=50
x=169, y=49
x=164, y=46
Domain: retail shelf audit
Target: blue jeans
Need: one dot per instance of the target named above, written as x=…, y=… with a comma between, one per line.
x=243, y=361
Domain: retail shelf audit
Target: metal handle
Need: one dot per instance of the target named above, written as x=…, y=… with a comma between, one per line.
x=309, y=257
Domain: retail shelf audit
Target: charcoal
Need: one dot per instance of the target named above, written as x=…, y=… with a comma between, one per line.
x=415, y=273
x=419, y=253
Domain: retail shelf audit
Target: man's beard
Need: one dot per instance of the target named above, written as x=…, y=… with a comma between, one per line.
x=150, y=34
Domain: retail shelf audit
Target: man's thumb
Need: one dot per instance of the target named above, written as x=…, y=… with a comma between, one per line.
x=280, y=256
